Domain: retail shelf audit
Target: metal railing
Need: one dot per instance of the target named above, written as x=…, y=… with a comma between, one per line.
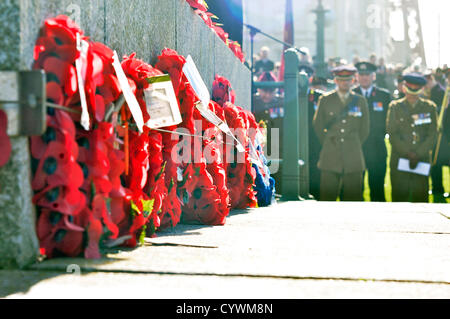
x=295, y=155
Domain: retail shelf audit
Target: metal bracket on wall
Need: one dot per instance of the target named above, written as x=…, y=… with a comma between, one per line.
x=23, y=98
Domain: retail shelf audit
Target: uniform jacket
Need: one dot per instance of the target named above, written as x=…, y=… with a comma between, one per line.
x=374, y=147
x=436, y=95
x=342, y=142
x=412, y=129
x=446, y=125
x=314, y=144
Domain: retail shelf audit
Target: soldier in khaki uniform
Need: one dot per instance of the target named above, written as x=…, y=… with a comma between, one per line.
x=412, y=128
x=341, y=123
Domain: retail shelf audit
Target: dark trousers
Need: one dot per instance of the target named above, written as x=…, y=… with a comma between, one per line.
x=376, y=174
x=314, y=178
x=332, y=183
x=409, y=187
x=436, y=179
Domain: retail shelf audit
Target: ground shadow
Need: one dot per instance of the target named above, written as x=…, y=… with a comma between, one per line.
x=186, y=229
x=13, y=281
x=17, y=281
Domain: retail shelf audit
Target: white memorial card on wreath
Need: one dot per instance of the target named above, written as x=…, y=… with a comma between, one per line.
x=81, y=66
x=130, y=98
x=199, y=86
x=162, y=105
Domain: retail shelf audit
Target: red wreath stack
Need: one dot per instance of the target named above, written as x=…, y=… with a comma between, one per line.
x=202, y=12
x=111, y=185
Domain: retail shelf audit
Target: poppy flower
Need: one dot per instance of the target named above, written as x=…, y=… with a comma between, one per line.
x=57, y=167
x=138, y=223
x=171, y=209
x=94, y=160
x=139, y=163
x=57, y=38
x=94, y=233
x=198, y=4
x=46, y=47
x=222, y=91
x=172, y=63
x=60, y=128
x=221, y=33
x=100, y=212
x=5, y=144
x=63, y=73
x=57, y=234
x=204, y=201
x=139, y=71
x=241, y=176
x=206, y=17
x=237, y=50
x=63, y=199
x=63, y=29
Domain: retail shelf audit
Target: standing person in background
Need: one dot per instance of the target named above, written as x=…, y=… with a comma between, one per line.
x=269, y=108
x=342, y=124
x=330, y=66
x=373, y=59
x=412, y=128
x=435, y=92
x=390, y=79
x=374, y=148
x=264, y=64
x=439, y=76
x=305, y=57
x=398, y=93
x=446, y=120
x=318, y=87
x=381, y=74
x=276, y=70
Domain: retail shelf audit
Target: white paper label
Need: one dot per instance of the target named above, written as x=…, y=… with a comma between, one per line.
x=179, y=174
x=81, y=65
x=162, y=105
x=132, y=102
x=421, y=169
x=195, y=79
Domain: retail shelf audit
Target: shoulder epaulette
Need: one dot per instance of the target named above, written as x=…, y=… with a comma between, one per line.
x=397, y=102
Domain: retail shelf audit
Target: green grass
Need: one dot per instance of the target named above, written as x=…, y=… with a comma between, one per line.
x=387, y=181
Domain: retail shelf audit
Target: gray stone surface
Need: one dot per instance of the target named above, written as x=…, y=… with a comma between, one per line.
x=240, y=77
x=88, y=14
x=140, y=26
x=9, y=24
x=18, y=242
x=201, y=41
x=293, y=249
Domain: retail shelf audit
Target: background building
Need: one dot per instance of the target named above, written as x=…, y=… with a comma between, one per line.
x=353, y=28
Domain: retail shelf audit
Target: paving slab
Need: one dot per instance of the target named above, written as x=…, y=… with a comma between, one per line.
x=292, y=249
x=152, y=286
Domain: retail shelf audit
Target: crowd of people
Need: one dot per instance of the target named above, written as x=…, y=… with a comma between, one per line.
x=352, y=111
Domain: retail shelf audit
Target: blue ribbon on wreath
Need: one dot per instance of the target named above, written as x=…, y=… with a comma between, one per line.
x=264, y=183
